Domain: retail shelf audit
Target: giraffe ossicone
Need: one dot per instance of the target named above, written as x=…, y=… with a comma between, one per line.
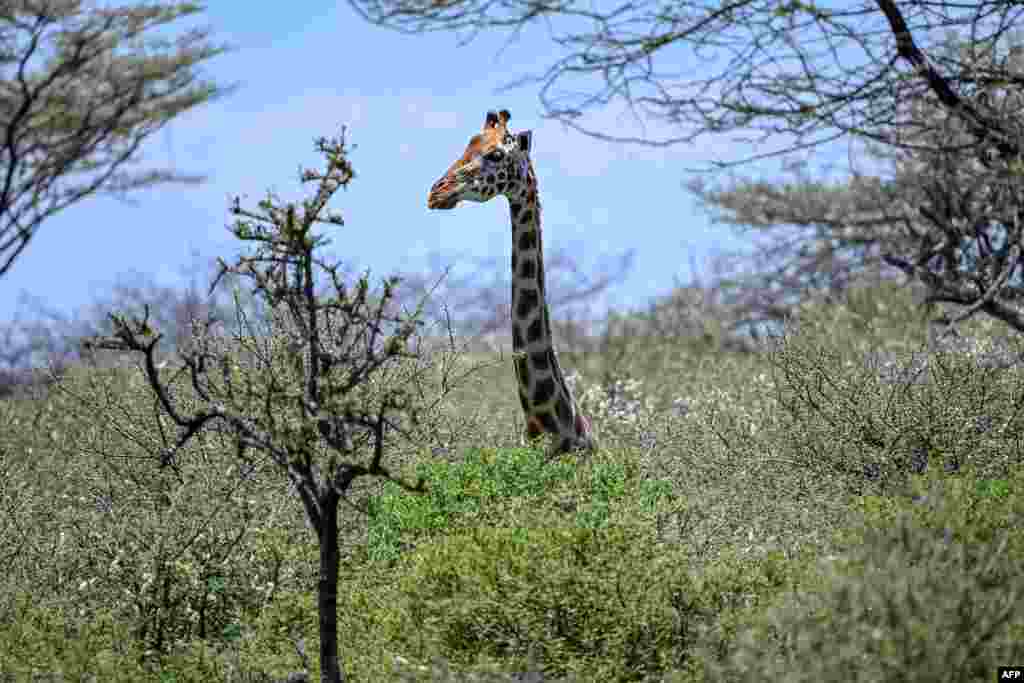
x=497, y=162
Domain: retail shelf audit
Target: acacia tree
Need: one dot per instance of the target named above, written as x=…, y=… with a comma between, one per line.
x=322, y=391
x=789, y=72
x=81, y=87
x=944, y=211
x=933, y=84
x=817, y=240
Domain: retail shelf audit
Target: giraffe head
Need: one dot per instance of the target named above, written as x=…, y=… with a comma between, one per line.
x=495, y=162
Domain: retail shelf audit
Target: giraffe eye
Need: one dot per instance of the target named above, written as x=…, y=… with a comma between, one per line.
x=494, y=156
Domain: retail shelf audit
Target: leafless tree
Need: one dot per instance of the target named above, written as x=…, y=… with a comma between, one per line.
x=479, y=301
x=475, y=303
x=321, y=392
x=81, y=88
x=41, y=342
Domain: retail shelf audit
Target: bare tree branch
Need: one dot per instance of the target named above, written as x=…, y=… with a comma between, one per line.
x=778, y=77
x=933, y=90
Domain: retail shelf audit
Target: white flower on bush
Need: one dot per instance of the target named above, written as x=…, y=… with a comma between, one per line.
x=745, y=406
x=622, y=400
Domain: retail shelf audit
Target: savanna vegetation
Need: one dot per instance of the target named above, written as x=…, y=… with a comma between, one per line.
x=321, y=478
x=843, y=501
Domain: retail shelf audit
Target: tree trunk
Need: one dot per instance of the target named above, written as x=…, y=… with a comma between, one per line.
x=327, y=592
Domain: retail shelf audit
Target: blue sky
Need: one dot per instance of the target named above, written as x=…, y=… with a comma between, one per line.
x=411, y=103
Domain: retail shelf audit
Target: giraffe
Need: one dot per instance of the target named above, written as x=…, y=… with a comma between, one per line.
x=497, y=162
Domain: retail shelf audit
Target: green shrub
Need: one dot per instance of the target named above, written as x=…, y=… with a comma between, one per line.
x=508, y=557
x=966, y=506
x=37, y=639
x=485, y=488
x=931, y=589
x=602, y=603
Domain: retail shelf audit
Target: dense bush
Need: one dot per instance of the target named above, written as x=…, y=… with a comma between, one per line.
x=929, y=589
x=744, y=510
x=513, y=563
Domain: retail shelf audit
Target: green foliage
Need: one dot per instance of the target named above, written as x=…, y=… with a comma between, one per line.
x=162, y=538
x=458, y=491
x=600, y=603
x=967, y=508
x=597, y=602
x=998, y=489
x=510, y=558
x=719, y=542
x=94, y=120
x=927, y=591
x=487, y=486
x=846, y=413
x=36, y=638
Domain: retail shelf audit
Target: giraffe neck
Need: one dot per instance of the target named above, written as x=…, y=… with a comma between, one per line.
x=545, y=397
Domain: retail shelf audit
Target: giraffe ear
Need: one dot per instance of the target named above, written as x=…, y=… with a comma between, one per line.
x=524, y=139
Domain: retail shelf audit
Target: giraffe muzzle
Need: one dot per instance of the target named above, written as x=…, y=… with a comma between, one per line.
x=442, y=195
